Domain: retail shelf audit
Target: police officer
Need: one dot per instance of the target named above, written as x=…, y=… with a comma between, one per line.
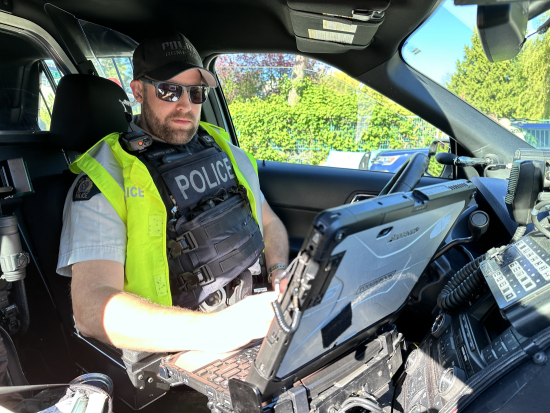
x=164, y=241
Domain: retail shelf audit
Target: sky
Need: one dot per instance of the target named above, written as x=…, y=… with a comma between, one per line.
x=441, y=40
x=436, y=46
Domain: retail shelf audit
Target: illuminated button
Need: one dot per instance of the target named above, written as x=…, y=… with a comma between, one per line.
x=140, y=143
x=529, y=286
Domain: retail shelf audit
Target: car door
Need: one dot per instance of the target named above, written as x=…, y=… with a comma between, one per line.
x=316, y=133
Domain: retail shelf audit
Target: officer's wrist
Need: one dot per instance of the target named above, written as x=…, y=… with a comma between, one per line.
x=279, y=267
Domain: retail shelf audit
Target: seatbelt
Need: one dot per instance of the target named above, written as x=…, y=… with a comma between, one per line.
x=14, y=365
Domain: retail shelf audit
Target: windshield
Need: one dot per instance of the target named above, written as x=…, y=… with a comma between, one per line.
x=515, y=93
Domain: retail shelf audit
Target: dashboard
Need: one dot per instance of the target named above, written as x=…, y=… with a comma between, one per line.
x=499, y=320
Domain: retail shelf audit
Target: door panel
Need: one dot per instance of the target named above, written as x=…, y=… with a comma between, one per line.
x=297, y=193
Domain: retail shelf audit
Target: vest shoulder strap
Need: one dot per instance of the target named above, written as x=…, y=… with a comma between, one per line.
x=216, y=131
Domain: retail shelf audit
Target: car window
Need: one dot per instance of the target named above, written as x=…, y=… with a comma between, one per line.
x=112, y=59
x=112, y=56
x=49, y=78
x=514, y=93
x=290, y=108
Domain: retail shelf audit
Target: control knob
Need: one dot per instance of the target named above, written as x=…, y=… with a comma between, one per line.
x=414, y=360
x=451, y=382
x=441, y=323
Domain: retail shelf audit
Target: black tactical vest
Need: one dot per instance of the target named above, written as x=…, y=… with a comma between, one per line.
x=212, y=235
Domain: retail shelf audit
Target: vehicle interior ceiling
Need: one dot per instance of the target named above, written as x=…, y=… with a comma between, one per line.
x=214, y=27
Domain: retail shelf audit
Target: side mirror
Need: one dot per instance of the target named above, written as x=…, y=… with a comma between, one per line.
x=502, y=29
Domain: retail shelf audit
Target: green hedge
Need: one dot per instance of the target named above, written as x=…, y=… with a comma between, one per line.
x=324, y=117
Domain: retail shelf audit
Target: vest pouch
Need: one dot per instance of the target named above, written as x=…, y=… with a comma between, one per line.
x=211, y=250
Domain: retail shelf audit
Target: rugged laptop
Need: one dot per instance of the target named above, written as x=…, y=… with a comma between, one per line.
x=355, y=271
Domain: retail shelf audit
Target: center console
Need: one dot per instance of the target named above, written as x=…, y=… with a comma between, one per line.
x=459, y=346
x=510, y=308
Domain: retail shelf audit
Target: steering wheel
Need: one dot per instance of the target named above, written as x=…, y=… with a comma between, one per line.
x=408, y=175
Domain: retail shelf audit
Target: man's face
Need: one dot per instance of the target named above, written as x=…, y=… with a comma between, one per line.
x=173, y=122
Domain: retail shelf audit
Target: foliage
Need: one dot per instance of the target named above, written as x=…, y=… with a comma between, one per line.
x=388, y=129
x=248, y=75
x=293, y=109
x=44, y=113
x=517, y=88
x=272, y=129
x=324, y=118
x=374, y=95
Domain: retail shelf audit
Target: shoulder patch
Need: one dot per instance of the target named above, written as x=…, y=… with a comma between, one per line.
x=85, y=189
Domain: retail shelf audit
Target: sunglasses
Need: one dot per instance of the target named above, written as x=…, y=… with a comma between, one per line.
x=172, y=92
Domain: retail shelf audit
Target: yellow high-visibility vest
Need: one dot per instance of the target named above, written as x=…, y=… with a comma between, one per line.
x=146, y=267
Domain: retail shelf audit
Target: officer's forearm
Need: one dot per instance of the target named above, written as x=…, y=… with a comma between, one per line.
x=104, y=312
x=131, y=322
x=276, y=243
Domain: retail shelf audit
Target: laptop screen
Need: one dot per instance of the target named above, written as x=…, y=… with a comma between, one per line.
x=380, y=265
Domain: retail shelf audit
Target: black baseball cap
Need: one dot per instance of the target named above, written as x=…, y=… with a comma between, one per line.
x=165, y=55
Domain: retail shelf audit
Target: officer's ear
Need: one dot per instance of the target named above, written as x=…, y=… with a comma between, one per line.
x=137, y=90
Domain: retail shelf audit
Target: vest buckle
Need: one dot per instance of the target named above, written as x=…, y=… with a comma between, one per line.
x=205, y=275
x=182, y=244
x=187, y=281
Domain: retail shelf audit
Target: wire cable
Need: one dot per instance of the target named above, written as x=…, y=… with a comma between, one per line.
x=462, y=285
x=520, y=232
x=367, y=404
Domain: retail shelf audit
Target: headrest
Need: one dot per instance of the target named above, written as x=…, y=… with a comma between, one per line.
x=86, y=109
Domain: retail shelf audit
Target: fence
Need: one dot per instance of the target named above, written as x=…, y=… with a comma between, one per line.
x=537, y=133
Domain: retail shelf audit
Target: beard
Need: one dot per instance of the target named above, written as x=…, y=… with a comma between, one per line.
x=166, y=131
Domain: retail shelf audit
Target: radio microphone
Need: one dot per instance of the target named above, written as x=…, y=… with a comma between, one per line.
x=445, y=158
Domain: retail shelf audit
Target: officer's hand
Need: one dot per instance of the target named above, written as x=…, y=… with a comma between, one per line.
x=247, y=320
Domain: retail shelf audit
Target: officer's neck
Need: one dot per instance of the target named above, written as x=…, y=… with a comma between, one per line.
x=142, y=124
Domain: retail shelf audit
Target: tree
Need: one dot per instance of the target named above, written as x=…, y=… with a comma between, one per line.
x=490, y=87
x=300, y=110
x=249, y=75
x=518, y=88
x=534, y=64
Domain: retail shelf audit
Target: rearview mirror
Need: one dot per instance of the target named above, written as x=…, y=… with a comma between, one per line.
x=502, y=29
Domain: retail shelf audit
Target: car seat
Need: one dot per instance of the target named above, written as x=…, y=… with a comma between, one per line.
x=86, y=109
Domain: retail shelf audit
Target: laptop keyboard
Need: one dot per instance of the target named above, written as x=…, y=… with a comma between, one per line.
x=236, y=366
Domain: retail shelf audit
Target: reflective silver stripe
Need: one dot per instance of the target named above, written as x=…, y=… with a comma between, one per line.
x=105, y=156
x=249, y=173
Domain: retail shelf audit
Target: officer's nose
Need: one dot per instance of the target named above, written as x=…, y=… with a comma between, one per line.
x=184, y=104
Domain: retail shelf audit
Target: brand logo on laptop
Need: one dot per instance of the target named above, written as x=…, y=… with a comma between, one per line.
x=395, y=237
x=374, y=283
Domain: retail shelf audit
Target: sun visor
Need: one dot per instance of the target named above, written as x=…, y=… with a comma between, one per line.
x=321, y=26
